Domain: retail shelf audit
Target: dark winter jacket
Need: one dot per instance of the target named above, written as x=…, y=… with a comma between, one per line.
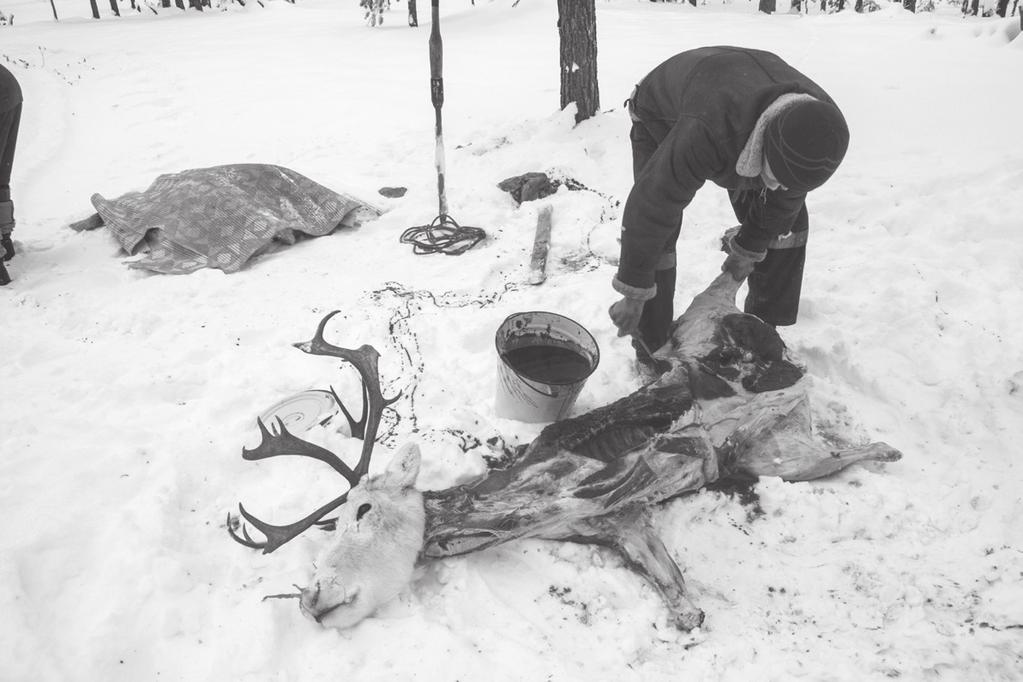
x=701, y=106
x=10, y=91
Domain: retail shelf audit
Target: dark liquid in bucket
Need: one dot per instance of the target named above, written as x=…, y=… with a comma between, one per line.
x=548, y=364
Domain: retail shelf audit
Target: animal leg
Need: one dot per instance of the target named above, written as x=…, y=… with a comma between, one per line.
x=771, y=435
x=803, y=459
x=632, y=536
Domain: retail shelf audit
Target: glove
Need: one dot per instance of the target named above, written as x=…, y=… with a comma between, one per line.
x=625, y=314
x=740, y=262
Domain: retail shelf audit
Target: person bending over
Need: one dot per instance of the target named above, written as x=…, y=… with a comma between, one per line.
x=750, y=123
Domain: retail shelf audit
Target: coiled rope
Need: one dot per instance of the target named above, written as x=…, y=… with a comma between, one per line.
x=443, y=235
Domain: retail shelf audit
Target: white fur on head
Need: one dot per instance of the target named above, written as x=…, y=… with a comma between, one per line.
x=371, y=555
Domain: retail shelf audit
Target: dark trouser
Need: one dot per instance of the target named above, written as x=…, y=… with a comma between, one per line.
x=9, y=121
x=776, y=281
x=775, y=284
x=659, y=312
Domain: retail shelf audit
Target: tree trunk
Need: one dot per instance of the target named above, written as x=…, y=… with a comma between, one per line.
x=796, y=6
x=95, y=9
x=1002, y=7
x=975, y=7
x=577, y=29
x=413, y=18
x=910, y=5
x=767, y=6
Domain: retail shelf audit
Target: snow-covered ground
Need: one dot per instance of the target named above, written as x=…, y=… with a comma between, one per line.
x=126, y=397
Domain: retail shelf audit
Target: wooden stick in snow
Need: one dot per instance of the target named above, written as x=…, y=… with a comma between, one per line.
x=541, y=245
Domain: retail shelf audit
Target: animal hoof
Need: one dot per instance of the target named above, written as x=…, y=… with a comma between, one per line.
x=886, y=453
x=689, y=620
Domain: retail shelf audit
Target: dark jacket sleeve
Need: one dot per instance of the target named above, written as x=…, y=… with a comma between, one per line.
x=768, y=215
x=684, y=160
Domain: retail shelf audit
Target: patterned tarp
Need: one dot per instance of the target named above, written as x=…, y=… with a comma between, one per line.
x=220, y=217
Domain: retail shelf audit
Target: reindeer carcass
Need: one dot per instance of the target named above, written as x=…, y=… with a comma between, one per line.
x=732, y=405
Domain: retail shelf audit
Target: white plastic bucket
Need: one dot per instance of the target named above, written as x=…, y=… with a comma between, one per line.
x=543, y=361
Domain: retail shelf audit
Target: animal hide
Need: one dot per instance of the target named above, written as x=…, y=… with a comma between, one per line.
x=733, y=405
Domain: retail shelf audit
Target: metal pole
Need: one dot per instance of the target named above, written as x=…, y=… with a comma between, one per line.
x=437, y=95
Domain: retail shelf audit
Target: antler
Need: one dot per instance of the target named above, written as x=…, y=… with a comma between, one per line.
x=276, y=536
x=286, y=443
x=283, y=442
x=364, y=358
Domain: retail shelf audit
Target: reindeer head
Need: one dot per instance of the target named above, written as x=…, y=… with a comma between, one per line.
x=378, y=533
x=372, y=552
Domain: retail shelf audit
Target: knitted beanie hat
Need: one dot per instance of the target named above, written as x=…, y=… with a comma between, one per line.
x=805, y=143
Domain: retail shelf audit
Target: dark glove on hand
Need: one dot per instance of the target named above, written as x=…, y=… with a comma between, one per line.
x=625, y=314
